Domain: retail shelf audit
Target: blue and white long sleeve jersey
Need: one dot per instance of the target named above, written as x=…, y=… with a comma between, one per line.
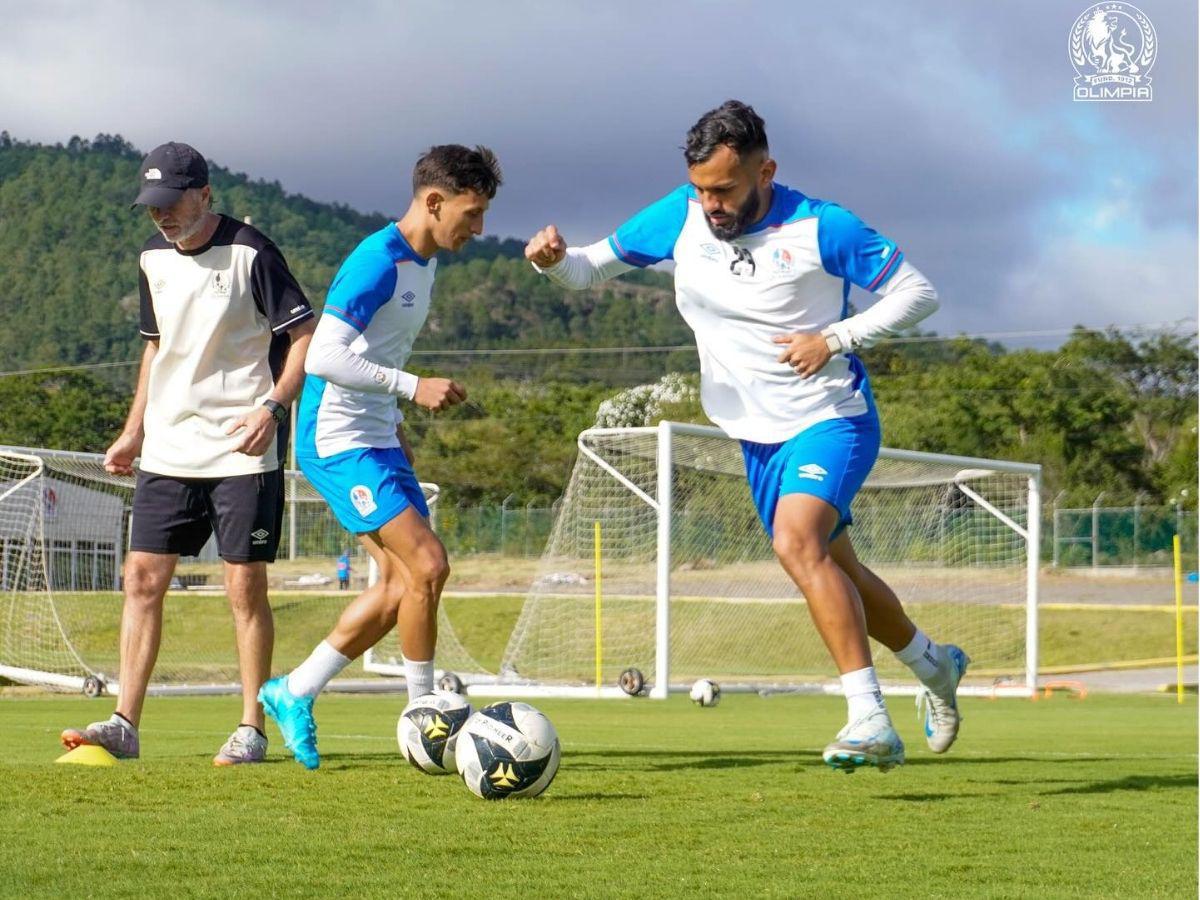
x=375, y=308
x=790, y=272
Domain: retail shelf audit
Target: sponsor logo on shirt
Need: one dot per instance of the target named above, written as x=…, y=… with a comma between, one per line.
x=221, y=286
x=364, y=502
x=812, y=471
x=743, y=264
x=260, y=536
x=781, y=261
x=153, y=175
x=407, y=298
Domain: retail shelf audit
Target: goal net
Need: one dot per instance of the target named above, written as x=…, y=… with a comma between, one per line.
x=657, y=561
x=64, y=532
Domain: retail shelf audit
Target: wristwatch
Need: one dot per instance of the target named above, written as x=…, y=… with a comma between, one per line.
x=278, y=410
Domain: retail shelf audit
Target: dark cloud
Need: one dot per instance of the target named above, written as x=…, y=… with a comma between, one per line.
x=948, y=125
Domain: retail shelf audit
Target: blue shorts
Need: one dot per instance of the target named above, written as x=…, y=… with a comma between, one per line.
x=365, y=488
x=830, y=460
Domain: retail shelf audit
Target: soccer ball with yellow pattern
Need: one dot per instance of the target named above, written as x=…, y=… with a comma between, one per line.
x=428, y=730
x=507, y=749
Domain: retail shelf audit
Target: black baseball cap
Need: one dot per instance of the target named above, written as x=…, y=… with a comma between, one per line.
x=168, y=171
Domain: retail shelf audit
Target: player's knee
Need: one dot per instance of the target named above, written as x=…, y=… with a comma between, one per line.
x=144, y=586
x=801, y=549
x=431, y=568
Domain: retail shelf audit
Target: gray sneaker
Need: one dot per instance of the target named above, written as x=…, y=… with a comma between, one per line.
x=115, y=735
x=245, y=745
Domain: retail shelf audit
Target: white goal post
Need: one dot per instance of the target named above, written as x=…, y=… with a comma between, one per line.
x=64, y=533
x=661, y=517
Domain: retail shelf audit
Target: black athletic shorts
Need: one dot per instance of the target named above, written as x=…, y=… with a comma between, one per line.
x=177, y=515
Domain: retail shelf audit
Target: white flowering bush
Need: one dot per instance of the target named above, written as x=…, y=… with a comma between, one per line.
x=644, y=404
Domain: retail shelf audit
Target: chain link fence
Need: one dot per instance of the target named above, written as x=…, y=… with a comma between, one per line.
x=1137, y=536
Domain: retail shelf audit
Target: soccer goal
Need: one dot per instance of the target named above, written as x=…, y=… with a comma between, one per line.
x=64, y=533
x=657, y=561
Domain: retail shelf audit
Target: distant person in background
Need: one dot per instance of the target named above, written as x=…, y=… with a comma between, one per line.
x=226, y=328
x=343, y=571
x=350, y=442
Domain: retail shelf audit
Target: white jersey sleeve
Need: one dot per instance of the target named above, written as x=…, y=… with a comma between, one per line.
x=583, y=267
x=904, y=300
x=330, y=357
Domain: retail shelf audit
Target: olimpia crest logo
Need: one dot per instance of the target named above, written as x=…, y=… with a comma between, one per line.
x=1112, y=48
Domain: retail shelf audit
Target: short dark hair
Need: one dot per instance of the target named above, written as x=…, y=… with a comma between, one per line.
x=455, y=168
x=733, y=124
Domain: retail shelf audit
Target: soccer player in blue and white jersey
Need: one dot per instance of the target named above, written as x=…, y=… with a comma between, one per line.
x=350, y=443
x=762, y=276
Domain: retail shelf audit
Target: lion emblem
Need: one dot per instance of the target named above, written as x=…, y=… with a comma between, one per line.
x=1108, y=45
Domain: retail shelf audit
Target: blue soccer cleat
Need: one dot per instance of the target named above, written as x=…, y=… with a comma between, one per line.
x=869, y=741
x=938, y=705
x=294, y=717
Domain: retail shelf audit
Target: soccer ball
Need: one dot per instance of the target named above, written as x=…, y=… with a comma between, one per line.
x=705, y=692
x=507, y=749
x=632, y=682
x=429, y=728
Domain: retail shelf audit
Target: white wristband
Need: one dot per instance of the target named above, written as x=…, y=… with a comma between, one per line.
x=832, y=341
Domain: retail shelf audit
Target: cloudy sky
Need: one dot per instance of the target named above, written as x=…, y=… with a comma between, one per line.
x=948, y=126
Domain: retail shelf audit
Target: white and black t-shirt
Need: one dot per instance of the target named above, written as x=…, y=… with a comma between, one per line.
x=220, y=314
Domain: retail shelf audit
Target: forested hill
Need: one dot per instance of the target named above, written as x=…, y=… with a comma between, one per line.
x=68, y=257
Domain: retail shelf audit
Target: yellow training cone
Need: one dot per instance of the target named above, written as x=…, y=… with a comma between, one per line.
x=88, y=755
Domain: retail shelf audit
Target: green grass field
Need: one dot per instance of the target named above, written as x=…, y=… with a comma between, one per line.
x=198, y=641
x=1059, y=798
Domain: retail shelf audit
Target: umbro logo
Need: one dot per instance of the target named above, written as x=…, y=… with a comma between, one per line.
x=812, y=471
x=711, y=251
x=407, y=298
x=260, y=536
x=159, y=284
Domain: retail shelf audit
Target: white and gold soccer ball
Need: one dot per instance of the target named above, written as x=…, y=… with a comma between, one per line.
x=705, y=692
x=507, y=749
x=428, y=730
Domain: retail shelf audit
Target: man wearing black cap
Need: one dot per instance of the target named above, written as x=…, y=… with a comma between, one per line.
x=226, y=328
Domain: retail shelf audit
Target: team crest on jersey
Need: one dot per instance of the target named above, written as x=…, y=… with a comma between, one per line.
x=221, y=285
x=363, y=500
x=781, y=262
x=407, y=298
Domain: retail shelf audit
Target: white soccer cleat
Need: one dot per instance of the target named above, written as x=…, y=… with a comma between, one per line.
x=245, y=745
x=114, y=735
x=869, y=741
x=939, y=708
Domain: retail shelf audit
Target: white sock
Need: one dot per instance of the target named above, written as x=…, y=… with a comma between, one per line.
x=861, y=688
x=122, y=721
x=419, y=676
x=922, y=656
x=310, y=677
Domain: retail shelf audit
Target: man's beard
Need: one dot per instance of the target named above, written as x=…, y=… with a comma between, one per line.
x=746, y=214
x=189, y=231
